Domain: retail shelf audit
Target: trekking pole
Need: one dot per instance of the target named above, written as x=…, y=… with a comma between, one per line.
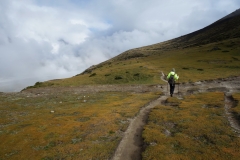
x=167, y=89
x=178, y=87
x=167, y=85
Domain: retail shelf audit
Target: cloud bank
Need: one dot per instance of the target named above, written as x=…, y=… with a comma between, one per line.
x=42, y=40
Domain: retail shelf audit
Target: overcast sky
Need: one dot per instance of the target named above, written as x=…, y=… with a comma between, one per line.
x=50, y=39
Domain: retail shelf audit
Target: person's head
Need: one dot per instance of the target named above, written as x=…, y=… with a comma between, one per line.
x=173, y=69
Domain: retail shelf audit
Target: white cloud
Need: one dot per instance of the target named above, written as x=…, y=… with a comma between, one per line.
x=42, y=40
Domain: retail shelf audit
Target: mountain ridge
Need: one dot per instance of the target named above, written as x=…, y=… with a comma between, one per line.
x=233, y=14
x=195, y=38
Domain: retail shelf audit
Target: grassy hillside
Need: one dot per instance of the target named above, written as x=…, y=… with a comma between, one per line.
x=205, y=62
x=210, y=53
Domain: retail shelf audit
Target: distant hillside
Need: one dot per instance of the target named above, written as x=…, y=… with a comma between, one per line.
x=197, y=56
x=223, y=29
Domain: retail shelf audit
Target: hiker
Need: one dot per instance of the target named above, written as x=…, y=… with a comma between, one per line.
x=172, y=77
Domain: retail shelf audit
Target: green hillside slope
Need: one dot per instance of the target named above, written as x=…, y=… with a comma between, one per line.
x=210, y=53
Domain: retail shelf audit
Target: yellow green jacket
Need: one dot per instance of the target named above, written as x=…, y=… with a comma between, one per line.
x=176, y=77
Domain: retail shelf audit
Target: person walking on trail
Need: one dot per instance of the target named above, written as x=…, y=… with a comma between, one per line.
x=172, y=77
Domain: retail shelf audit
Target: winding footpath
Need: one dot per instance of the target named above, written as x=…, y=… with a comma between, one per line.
x=229, y=103
x=131, y=146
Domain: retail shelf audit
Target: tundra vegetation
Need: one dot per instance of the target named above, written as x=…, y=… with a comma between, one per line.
x=66, y=125
x=192, y=128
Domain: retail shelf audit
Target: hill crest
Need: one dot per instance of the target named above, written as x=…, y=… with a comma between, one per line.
x=222, y=29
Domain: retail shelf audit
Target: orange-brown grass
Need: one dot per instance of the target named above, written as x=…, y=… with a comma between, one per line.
x=236, y=108
x=195, y=128
x=81, y=127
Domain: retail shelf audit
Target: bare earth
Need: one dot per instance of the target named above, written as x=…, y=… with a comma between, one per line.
x=131, y=145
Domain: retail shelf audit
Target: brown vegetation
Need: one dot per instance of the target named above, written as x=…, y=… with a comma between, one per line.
x=196, y=128
x=66, y=125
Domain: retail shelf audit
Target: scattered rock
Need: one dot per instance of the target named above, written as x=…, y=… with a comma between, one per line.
x=167, y=133
x=214, y=49
x=153, y=144
x=198, y=83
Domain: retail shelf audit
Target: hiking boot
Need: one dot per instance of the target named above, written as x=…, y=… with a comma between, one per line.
x=171, y=95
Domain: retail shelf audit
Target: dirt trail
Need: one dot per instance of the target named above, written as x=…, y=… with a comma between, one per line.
x=230, y=103
x=131, y=145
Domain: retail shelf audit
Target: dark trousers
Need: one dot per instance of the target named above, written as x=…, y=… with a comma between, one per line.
x=172, y=87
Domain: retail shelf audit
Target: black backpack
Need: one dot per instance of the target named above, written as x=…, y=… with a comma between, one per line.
x=171, y=79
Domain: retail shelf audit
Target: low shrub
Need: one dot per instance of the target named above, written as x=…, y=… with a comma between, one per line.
x=118, y=77
x=94, y=74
